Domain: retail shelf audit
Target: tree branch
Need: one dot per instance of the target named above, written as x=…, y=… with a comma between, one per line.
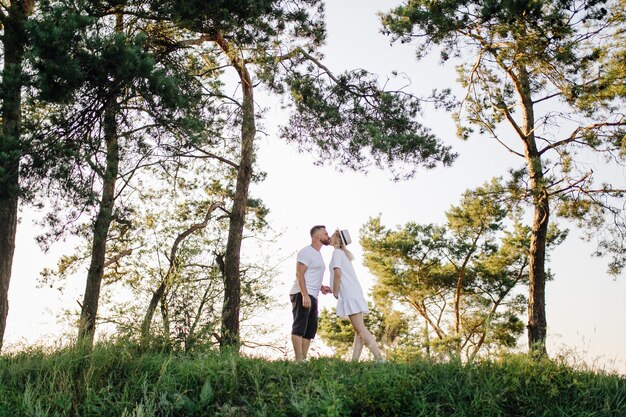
x=495, y=136
x=254, y=345
x=213, y=156
x=548, y=97
x=190, y=230
x=424, y=313
x=470, y=84
x=605, y=191
x=198, y=41
x=279, y=58
x=117, y=257
x=319, y=64
x=513, y=123
x=571, y=186
x=575, y=134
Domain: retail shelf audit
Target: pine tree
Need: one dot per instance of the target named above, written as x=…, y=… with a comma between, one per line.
x=534, y=67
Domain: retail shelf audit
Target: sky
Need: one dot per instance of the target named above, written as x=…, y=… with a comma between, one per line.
x=585, y=306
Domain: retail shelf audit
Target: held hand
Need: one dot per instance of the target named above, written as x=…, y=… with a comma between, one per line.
x=325, y=289
x=306, y=301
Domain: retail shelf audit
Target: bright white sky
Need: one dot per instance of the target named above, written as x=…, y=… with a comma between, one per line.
x=585, y=306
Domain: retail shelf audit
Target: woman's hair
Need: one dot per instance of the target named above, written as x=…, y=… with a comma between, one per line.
x=339, y=245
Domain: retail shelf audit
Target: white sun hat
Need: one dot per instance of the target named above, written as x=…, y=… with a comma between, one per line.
x=345, y=237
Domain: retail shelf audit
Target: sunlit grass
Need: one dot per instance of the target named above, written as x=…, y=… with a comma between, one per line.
x=119, y=380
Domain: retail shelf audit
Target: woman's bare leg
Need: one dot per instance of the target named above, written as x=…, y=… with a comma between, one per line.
x=357, y=348
x=365, y=335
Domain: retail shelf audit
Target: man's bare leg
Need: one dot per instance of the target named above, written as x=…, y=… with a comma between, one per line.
x=298, y=343
x=305, y=347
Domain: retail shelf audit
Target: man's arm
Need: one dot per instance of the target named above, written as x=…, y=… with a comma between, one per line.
x=300, y=269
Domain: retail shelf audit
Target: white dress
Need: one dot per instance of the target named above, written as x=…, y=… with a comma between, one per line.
x=351, y=299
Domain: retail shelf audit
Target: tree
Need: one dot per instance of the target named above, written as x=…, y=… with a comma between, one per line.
x=232, y=30
x=456, y=277
x=533, y=68
x=162, y=281
x=172, y=269
x=253, y=25
x=203, y=246
x=13, y=18
x=276, y=43
x=117, y=96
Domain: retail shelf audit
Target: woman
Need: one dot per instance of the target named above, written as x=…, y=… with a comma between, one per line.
x=347, y=290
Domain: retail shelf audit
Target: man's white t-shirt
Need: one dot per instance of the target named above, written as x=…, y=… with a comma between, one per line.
x=314, y=274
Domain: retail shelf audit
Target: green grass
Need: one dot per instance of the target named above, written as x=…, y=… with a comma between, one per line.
x=117, y=380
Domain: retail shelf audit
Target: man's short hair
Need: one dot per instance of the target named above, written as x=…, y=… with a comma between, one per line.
x=316, y=228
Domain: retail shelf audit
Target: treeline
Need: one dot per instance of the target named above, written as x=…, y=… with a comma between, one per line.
x=133, y=125
x=119, y=120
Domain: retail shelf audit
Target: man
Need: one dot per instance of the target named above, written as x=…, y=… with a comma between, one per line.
x=309, y=274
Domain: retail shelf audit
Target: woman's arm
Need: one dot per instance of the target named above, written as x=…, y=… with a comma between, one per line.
x=336, y=281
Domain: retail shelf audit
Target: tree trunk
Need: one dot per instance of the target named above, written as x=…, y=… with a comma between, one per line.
x=165, y=318
x=87, y=325
x=537, y=276
x=157, y=295
x=537, y=323
x=457, y=311
x=232, y=279
x=10, y=148
x=192, y=337
x=152, y=306
x=457, y=294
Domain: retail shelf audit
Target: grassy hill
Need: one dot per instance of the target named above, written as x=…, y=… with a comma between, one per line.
x=116, y=380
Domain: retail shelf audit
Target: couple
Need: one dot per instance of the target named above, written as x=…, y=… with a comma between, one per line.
x=345, y=287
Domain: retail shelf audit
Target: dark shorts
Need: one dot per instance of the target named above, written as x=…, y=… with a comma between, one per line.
x=304, y=319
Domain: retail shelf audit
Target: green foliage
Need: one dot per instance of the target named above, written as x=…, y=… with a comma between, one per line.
x=462, y=278
x=77, y=53
x=139, y=258
x=387, y=326
x=553, y=72
x=351, y=121
x=118, y=380
x=535, y=27
x=248, y=21
x=87, y=57
x=336, y=333
x=348, y=118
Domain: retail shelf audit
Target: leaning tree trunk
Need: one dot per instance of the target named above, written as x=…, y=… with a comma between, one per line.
x=537, y=323
x=232, y=281
x=159, y=293
x=10, y=150
x=87, y=324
